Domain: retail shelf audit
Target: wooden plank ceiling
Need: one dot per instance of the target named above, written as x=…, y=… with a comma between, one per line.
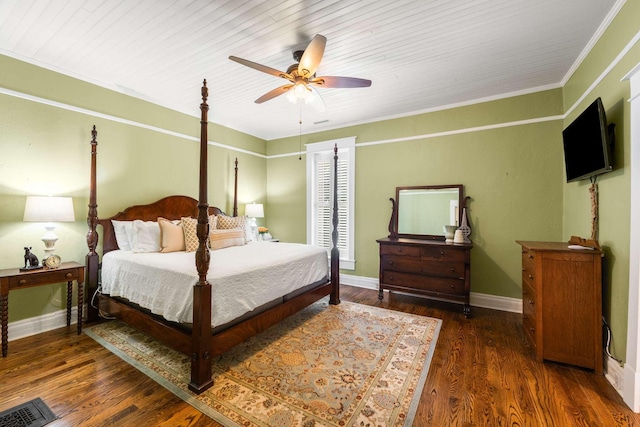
x=419, y=54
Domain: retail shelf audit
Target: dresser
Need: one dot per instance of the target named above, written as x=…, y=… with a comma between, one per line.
x=562, y=303
x=428, y=268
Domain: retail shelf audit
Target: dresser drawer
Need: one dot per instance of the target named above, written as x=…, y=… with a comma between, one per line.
x=441, y=253
x=528, y=302
x=528, y=278
x=529, y=326
x=528, y=261
x=50, y=276
x=528, y=292
x=436, y=285
x=405, y=250
x=418, y=266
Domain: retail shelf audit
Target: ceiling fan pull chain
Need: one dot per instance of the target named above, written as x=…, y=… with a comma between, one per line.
x=300, y=135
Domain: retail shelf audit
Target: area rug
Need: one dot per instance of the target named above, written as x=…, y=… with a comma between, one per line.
x=328, y=365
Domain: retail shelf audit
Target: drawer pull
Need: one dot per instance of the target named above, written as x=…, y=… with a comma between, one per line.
x=399, y=249
x=530, y=256
x=390, y=262
x=532, y=329
x=452, y=286
x=69, y=275
x=441, y=252
x=453, y=269
x=531, y=302
x=530, y=276
x=23, y=281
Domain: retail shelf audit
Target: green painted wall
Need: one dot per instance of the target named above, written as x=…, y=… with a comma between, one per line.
x=513, y=174
x=614, y=187
x=45, y=150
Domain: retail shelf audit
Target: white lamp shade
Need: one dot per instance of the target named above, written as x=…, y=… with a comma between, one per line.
x=49, y=209
x=254, y=210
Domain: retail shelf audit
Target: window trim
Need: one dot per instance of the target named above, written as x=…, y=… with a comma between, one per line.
x=346, y=149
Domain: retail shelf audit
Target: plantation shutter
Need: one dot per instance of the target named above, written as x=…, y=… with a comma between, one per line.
x=323, y=204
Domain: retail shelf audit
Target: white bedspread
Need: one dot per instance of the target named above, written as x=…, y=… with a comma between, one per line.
x=242, y=278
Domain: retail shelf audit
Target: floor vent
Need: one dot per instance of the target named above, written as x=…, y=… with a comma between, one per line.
x=34, y=413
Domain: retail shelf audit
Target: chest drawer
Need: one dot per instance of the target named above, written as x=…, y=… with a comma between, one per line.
x=528, y=300
x=529, y=326
x=528, y=261
x=435, y=285
x=441, y=253
x=420, y=266
x=404, y=250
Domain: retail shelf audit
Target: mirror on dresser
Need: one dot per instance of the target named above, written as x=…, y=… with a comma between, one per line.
x=423, y=211
x=415, y=258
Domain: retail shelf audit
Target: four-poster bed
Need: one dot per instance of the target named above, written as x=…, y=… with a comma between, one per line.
x=198, y=338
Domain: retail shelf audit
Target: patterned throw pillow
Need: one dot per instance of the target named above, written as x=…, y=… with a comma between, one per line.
x=225, y=238
x=228, y=222
x=189, y=226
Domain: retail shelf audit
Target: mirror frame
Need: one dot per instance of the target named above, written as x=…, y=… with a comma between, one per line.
x=393, y=223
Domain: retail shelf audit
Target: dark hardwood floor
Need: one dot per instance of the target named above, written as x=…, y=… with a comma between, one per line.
x=482, y=374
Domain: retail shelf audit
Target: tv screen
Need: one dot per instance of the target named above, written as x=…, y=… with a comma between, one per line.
x=587, y=144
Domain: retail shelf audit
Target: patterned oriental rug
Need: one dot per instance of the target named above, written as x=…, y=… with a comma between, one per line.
x=344, y=365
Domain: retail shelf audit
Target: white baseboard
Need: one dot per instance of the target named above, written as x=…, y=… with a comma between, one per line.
x=493, y=302
x=36, y=325
x=58, y=319
x=614, y=373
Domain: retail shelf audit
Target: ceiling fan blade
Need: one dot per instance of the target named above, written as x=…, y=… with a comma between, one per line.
x=273, y=93
x=340, y=82
x=312, y=56
x=261, y=67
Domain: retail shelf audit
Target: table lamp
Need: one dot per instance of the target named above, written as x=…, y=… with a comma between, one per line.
x=49, y=210
x=253, y=211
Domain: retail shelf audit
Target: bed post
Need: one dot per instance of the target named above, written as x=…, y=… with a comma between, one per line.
x=91, y=260
x=235, y=191
x=201, y=332
x=335, y=252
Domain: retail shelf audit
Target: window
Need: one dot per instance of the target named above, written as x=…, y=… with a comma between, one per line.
x=320, y=192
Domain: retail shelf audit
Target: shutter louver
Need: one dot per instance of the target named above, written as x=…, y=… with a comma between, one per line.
x=324, y=205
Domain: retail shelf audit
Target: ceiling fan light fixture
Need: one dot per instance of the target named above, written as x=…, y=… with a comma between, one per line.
x=300, y=91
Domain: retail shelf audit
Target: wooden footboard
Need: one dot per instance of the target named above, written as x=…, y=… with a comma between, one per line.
x=199, y=342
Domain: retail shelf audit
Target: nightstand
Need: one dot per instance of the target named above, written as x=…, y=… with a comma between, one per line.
x=12, y=278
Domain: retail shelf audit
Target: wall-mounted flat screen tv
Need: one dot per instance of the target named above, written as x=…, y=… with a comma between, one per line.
x=588, y=144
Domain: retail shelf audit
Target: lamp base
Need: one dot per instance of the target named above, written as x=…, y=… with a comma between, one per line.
x=49, y=240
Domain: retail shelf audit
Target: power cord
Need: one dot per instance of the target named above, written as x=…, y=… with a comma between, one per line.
x=608, y=342
x=95, y=305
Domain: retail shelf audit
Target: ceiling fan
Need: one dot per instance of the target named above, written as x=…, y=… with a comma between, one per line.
x=301, y=76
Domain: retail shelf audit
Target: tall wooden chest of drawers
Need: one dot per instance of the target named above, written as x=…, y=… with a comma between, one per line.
x=562, y=303
x=430, y=268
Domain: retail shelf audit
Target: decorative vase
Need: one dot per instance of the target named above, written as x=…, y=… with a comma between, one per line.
x=464, y=226
x=449, y=231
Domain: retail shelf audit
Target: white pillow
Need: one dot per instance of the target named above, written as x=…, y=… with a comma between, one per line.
x=124, y=234
x=146, y=236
